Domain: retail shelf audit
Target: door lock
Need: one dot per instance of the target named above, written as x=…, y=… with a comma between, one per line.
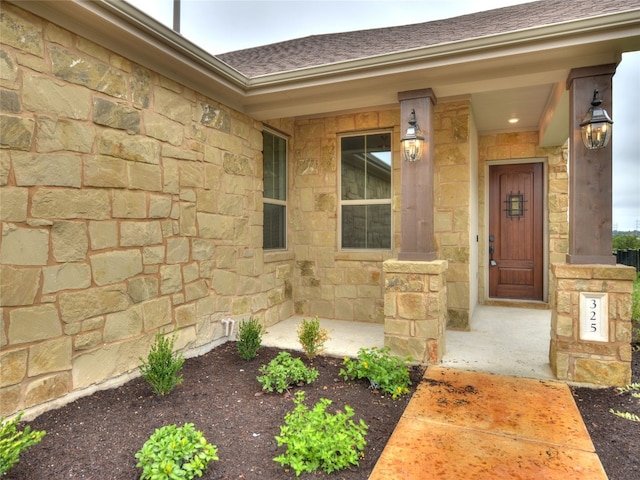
x=492, y=262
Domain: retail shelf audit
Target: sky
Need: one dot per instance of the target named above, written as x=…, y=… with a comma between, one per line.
x=220, y=26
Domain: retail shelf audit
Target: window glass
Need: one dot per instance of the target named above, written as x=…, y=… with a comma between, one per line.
x=275, y=191
x=366, y=226
x=274, y=167
x=275, y=225
x=366, y=191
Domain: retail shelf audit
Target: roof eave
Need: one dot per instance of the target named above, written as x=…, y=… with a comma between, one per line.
x=618, y=24
x=120, y=27
x=516, y=59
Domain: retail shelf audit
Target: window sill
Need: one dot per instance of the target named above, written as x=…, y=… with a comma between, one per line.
x=271, y=256
x=364, y=256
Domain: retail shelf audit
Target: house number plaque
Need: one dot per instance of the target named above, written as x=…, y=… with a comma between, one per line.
x=594, y=321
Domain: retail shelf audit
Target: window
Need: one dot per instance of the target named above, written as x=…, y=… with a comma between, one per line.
x=274, y=150
x=365, y=201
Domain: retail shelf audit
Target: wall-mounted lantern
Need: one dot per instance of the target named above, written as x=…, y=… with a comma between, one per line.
x=596, y=126
x=412, y=141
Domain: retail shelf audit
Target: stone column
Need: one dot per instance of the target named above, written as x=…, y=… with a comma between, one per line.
x=415, y=306
x=416, y=228
x=590, y=172
x=591, y=323
x=590, y=295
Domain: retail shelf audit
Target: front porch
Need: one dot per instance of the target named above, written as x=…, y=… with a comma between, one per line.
x=503, y=343
x=502, y=340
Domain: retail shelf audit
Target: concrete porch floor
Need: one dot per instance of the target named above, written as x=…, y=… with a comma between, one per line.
x=490, y=410
x=508, y=341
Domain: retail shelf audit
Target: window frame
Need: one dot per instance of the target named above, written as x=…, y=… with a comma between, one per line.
x=273, y=201
x=364, y=202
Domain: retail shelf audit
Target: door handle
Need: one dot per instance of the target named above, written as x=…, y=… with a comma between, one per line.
x=492, y=262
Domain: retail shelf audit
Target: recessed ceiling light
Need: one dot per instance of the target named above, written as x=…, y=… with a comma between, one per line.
x=514, y=120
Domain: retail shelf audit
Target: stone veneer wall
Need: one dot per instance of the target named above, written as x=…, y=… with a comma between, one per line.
x=330, y=282
x=349, y=285
x=523, y=146
x=452, y=196
x=583, y=361
x=415, y=307
x=129, y=205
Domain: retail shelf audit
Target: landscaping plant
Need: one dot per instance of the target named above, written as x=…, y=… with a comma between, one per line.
x=14, y=441
x=385, y=372
x=249, y=338
x=634, y=391
x=175, y=453
x=284, y=371
x=317, y=440
x=312, y=337
x=163, y=365
x=634, y=388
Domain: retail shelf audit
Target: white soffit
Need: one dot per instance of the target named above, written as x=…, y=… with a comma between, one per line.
x=493, y=109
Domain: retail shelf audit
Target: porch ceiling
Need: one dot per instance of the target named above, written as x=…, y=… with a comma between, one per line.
x=520, y=74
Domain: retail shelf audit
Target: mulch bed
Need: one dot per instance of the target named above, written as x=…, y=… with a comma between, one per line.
x=616, y=439
x=96, y=437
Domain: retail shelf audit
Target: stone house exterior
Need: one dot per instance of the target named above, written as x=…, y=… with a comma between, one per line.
x=133, y=192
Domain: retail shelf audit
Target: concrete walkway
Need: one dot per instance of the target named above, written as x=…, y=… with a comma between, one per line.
x=489, y=411
x=469, y=425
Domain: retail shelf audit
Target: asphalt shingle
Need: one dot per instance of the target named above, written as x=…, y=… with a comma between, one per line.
x=318, y=50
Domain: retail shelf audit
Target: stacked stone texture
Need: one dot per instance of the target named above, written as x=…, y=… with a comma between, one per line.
x=452, y=196
x=328, y=282
x=587, y=361
x=129, y=205
x=415, y=308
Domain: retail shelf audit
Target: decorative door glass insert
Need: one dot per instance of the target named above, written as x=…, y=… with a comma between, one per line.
x=514, y=205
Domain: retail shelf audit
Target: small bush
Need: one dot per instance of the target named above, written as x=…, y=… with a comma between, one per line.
x=175, y=453
x=312, y=337
x=162, y=368
x=317, y=440
x=249, y=338
x=13, y=442
x=634, y=391
x=284, y=371
x=386, y=373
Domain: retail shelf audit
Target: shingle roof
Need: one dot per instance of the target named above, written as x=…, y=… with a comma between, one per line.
x=317, y=50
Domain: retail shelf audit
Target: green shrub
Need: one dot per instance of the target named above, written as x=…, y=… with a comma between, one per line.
x=312, y=337
x=626, y=241
x=162, y=368
x=175, y=453
x=249, y=338
x=317, y=440
x=634, y=391
x=284, y=371
x=386, y=373
x=13, y=442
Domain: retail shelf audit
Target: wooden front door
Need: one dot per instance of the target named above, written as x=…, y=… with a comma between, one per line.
x=515, y=231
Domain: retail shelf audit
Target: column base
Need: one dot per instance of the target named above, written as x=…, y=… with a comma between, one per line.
x=415, y=308
x=577, y=353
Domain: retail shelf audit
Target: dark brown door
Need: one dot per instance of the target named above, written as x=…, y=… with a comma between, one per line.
x=515, y=231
